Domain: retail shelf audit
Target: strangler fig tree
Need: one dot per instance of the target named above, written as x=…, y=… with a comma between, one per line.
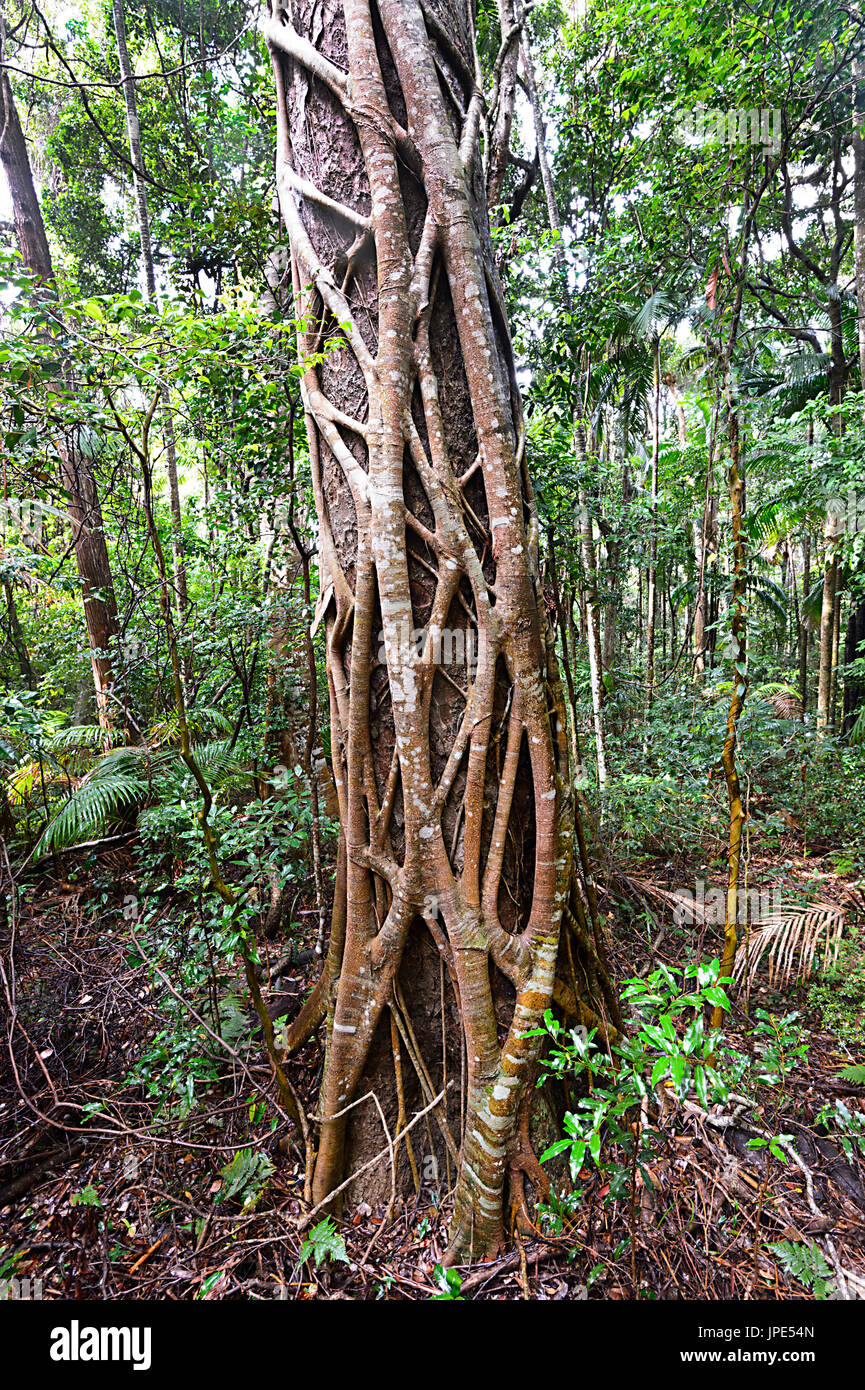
x=448, y=729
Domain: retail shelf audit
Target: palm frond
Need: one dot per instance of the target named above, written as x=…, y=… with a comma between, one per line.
x=812, y=605
x=94, y=805
x=83, y=736
x=24, y=780
x=856, y=736
x=217, y=760
x=774, y=520
x=783, y=698
x=658, y=311
x=198, y=722
x=782, y=936
x=771, y=595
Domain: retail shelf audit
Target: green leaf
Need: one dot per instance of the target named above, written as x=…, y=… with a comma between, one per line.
x=324, y=1242
x=554, y=1149
x=87, y=1197
x=660, y=1069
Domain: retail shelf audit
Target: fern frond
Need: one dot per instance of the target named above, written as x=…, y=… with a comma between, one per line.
x=204, y=717
x=805, y=1263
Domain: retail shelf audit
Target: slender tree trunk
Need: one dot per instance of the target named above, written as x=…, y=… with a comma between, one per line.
x=565, y=623
x=827, y=632
x=804, y=633
x=652, y=575
x=613, y=604
x=26, y=213
x=16, y=636
x=859, y=208
x=738, y=605
x=836, y=653
x=133, y=132
x=593, y=623
x=76, y=473
x=705, y=533
x=450, y=750
x=504, y=92
x=739, y=683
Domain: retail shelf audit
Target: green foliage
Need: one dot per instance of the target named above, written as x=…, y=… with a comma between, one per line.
x=839, y=997
x=94, y=806
x=87, y=1197
x=805, y=1262
x=450, y=1283
x=324, y=1242
x=671, y=1047
x=847, y=1126
x=125, y=778
x=245, y=1177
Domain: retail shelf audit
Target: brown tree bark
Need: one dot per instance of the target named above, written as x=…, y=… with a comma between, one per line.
x=448, y=723
x=739, y=640
x=827, y=633
x=16, y=636
x=76, y=473
x=497, y=151
x=652, y=572
x=859, y=207
x=804, y=633
x=705, y=533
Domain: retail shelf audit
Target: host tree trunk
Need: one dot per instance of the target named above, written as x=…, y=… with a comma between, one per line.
x=448, y=727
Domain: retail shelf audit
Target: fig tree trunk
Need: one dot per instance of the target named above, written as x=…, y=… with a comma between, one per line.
x=447, y=724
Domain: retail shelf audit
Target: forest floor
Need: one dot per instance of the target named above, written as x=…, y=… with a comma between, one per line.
x=101, y=1200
